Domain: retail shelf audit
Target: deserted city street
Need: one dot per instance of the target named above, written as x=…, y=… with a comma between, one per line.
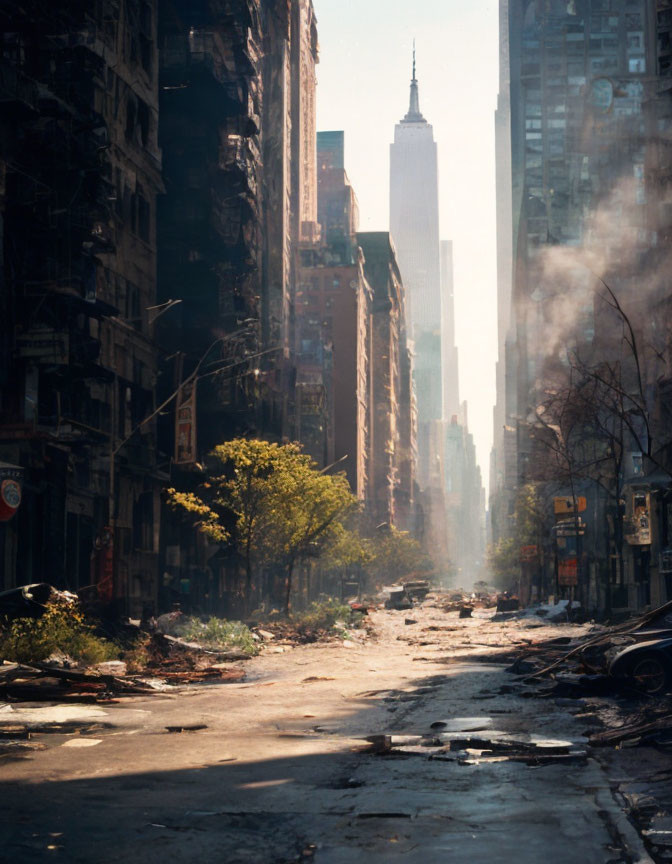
x=336, y=431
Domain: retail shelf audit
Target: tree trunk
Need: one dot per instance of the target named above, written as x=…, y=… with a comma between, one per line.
x=288, y=586
x=248, y=578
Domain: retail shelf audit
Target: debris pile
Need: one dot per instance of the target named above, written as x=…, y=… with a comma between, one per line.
x=51, y=651
x=326, y=619
x=40, y=682
x=556, y=612
x=630, y=663
x=30, y=601
x=177, y=661
x=469, y=749
x=596, y=654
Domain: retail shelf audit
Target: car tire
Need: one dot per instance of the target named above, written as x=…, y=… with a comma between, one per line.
x=652, y=673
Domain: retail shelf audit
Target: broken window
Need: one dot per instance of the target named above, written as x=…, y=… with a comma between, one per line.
x=131, y=112
x=133, y=214
x=132, y=301
x=146, y=37
x=143, y=122
x=143, y=521
x=137, y=121
x=143, y=218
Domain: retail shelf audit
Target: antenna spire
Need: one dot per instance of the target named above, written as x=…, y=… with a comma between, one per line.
x=414, y=115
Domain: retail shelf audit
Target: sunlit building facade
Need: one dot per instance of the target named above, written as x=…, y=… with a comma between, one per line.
x=414, y=225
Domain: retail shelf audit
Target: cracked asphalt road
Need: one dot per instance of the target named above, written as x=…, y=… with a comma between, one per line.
x=281, y=774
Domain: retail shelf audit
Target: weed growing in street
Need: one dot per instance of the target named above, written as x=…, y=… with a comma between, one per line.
x=219, y=633
x=62, y=627
x=324, y=615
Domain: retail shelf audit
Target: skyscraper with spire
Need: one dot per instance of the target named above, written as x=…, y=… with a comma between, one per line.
x=414, y=225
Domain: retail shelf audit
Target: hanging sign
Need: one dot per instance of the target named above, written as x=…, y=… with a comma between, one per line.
x=185, y=424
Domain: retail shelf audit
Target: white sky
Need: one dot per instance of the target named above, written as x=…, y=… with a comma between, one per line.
x=363, y=85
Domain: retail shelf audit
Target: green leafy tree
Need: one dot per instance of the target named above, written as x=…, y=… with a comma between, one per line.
x=348, y=550
x=528, y=528
x=271, y=502
x=529, y=516
x=504, y=561
x=395, y=554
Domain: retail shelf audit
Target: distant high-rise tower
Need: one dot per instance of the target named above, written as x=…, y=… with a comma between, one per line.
x=451, y=387
x=414, y=225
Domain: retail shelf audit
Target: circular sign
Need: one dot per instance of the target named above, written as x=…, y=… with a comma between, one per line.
x=10, y=499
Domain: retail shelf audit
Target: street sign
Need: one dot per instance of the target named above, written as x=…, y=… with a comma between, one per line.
x=572, y=527
x=568, y=572
x=566, y=505
x=529, y=553
x=11, y=483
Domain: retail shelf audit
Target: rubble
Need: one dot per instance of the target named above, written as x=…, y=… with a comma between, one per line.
x=31, y=601
x=396, y=597
x=40, y=682
x=170, y=660
x=557, y=612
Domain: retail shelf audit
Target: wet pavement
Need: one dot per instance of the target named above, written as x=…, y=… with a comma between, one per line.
x=457, y=768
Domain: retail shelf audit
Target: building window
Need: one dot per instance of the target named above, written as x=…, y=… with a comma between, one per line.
x=143, y=522
x=132, y=302
x=635, y=42
x=137, y=121
x=143, y=218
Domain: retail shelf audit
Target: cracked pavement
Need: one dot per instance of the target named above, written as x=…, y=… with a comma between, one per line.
x=282, y=771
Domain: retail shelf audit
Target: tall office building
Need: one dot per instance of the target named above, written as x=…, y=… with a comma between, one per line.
x=586, y=103
x=414, y=225
x=503, y=465
x=451, y=386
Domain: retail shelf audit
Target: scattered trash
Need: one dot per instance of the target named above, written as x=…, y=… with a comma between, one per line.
x=396, y=597
x=379, y=743
x=505, y=603
x=192, y=727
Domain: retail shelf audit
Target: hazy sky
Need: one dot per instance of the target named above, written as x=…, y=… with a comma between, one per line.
x=363, y=86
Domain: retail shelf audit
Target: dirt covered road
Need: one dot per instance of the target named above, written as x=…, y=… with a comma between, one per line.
x=278, y=768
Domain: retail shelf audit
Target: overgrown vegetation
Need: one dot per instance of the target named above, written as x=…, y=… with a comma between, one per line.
x=324, y=615
x=218, y=633
x=526, y=529
x=271, y=505
x=394, y=556
x=63, y=628
x=280, y=516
